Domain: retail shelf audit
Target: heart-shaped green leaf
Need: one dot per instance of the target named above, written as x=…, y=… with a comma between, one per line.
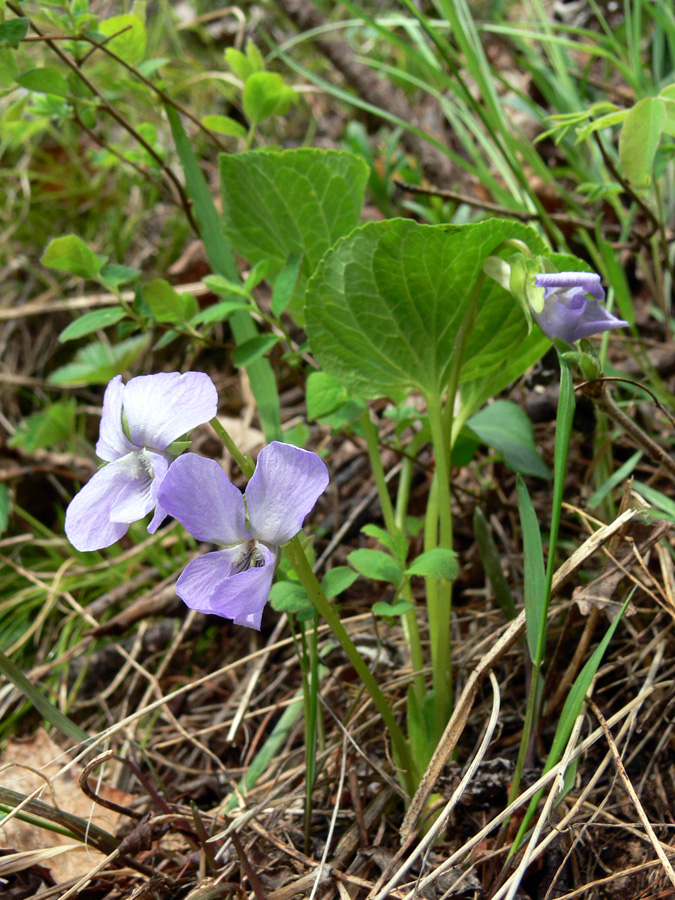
x=385, y=306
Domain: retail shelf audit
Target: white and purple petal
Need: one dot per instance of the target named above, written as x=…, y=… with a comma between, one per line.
x=589, y=282
x=162, y=407
x=112, y=441
x=286, y=484
x=572, y=307
x=139, y=494
x=88, y=525
x=199, y=494
x=212, y=585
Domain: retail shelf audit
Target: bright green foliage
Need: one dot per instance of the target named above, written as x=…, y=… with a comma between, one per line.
x=506, y=427
x=279, y=205
x=384, y=308
x=436, y=563
x=71, y=254
x=92, y=321
x=376, y=564
x=130, y=41
x=535, y=577
x=12, y=31
x=265, y=95
x=290, y=597
x=44, y=80
x=337, y=580
x=224, y=125
x=47, y=428
x=166, y=304
x=324, y=394
x=98, y=363
x=640, y=138
x=255, y=348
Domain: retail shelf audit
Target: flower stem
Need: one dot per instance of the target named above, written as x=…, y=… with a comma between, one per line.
x=245, y=464
x=394, y=525
x=296, y=555
x=438, y=533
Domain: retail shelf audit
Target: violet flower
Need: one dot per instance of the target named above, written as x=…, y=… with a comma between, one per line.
x=140, y=420
x=235, y=583
x=571, y=307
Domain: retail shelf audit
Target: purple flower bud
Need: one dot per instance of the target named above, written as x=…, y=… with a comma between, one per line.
x=235, y=582
x=572, y=307
x=140, y=420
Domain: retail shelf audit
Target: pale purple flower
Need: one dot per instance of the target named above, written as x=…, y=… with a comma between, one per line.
x=572, y=307
x=235, y=583
x=140, y=420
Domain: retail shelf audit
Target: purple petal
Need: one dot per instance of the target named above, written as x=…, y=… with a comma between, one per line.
x=112, y=442
x=286, y=484
x=88, y=525
x=210, y=585
x=160, y=466
x=589, y=282
x=160, y=408
x=199, y=494
x=569, y=312
x=135, y=498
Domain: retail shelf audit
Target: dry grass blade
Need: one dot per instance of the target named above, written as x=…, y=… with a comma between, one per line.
x=621, y=769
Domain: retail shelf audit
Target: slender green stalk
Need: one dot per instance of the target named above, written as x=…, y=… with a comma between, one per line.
x=371, y=436
x=439, y=592
x=408, y=772
x=245, y=464
x=562, y=445
x=393, y=521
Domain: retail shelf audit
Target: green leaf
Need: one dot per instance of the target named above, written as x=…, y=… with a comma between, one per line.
x=44, y=80
x=219, y=312
x=337, y=580
x=291, y=203
x=239, y=63
x=5, y=506
x=639, y=140
x=324, y=394
x=260, y=373
x=394, y=542
x=535, y=576
x=384, y=308
x=224, y=125
x=253, y=349
x=226, y=288
x=131, y=38
x=166, y=304
x=289, y=597
x=284, y=284
x=381, y=608
x=266, y=94
x=113, y=275
x=254, y=56
x=46, y=428
x=507, y=428
x=376, y=564
x=98, y=363
x=436, y=563
x=92, y=321
x=70, y=254
x=13, y=31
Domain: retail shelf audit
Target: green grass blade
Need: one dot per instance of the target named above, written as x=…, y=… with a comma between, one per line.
x=47, y=709
x=260, y=373
x=569, y=714
x=535, y=575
